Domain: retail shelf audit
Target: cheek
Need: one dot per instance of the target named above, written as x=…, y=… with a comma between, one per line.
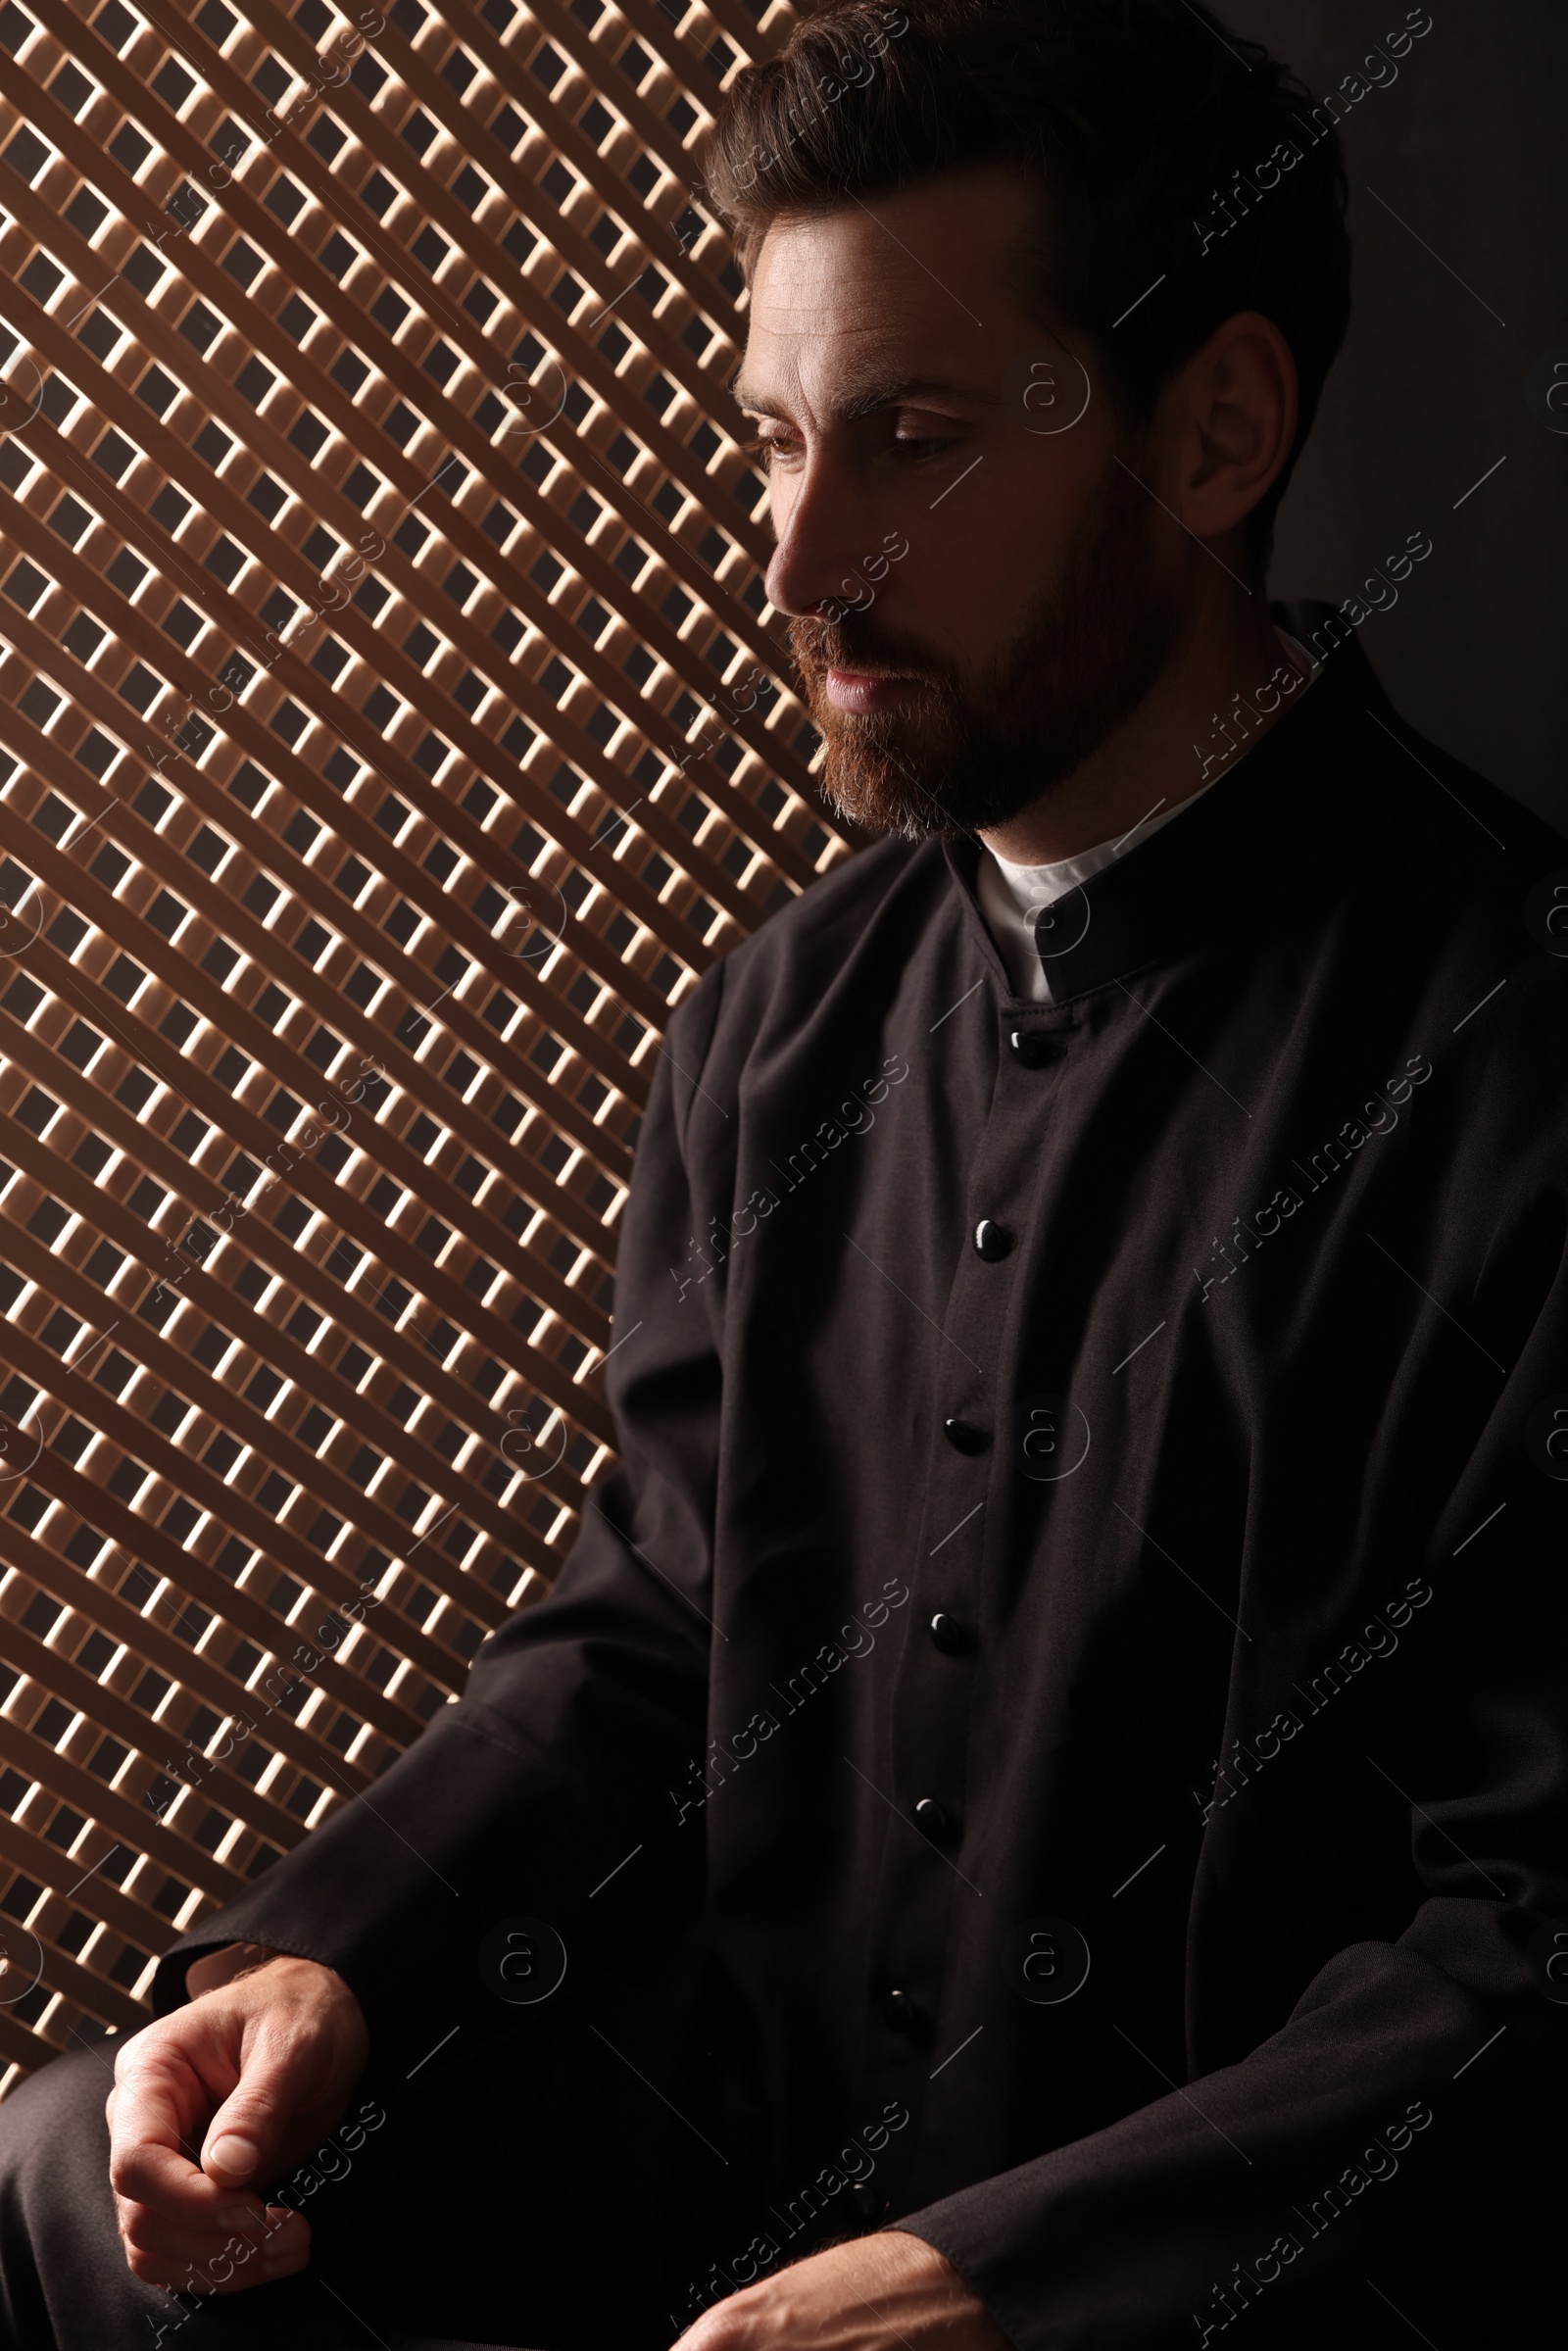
x=980, y=560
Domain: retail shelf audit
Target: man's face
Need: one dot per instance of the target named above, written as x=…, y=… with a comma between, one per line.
x=979, y=587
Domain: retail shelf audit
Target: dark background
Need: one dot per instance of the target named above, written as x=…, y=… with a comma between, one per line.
x=1468, y=147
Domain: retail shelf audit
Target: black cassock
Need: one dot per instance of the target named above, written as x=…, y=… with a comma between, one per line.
x=1079, y=1630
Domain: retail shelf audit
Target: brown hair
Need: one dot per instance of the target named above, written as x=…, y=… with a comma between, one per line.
x=1188, y=174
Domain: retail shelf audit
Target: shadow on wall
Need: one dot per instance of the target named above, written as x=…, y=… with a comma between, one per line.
x=1441, y=414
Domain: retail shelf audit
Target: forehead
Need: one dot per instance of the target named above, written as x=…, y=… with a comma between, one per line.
x=921, y=285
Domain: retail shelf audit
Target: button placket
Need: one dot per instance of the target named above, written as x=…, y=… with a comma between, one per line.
x=936, y=1686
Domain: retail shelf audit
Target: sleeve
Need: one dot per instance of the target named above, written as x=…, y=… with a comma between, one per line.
x=547, y=1777
x=1389, y=2165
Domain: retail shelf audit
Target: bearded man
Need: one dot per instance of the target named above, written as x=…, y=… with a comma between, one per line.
x=1035, y=1812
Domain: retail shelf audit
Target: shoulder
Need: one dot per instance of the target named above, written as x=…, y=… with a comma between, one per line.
x=1476, y=899
x=859, y=907
x=1446, y=823
x=840, y=906
x=1486, y=838
x=1434, y=856
x=1469, y=859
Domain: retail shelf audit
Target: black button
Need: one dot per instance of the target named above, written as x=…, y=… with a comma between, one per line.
x=1034, y=1047
x=904, y=2014
x=934, y=1819
x=964, y=1437
x=952, y=1639
x=992, y=1240
x=865, y=2200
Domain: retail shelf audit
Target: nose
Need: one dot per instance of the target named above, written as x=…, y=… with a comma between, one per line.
x=822, y=539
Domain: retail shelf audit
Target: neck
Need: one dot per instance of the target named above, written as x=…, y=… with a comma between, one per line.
x=1169, y=747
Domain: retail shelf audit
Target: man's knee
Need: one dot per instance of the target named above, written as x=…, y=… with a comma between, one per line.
x=57, y=2215
x=54, y=2122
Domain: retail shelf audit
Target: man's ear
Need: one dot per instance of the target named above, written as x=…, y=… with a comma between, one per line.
x=1232, y=417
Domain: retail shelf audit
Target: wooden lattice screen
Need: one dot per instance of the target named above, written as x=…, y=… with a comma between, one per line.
x=394, y=725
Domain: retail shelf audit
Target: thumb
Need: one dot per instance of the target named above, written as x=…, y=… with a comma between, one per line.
x=243, y=2135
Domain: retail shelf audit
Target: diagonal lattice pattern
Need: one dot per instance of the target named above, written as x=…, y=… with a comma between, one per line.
x=392, y=726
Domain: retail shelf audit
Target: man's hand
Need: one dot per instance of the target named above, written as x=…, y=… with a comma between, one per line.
x=234, y=2088
x=873, y=2293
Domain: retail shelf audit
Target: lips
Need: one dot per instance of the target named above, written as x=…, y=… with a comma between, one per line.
x=857, y=691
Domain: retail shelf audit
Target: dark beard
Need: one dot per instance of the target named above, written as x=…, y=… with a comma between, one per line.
x=960, y=757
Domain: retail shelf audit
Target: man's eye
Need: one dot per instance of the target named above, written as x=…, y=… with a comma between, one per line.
x=921, y=448
x=764, y=447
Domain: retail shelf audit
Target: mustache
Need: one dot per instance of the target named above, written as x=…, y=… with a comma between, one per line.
x=822, y=645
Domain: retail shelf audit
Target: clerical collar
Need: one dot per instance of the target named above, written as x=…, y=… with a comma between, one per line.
x=1014, y=898
x=1165, y=886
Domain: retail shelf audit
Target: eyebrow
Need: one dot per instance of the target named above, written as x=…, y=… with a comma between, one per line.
x=887, y=392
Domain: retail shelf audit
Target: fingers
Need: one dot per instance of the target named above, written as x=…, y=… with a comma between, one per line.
x=270, y=2245
x=168, y=2148
x=157, y=2103
x=171, y=2212
x=267, y=2233
x=245, y=2244
x=168, y=2083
